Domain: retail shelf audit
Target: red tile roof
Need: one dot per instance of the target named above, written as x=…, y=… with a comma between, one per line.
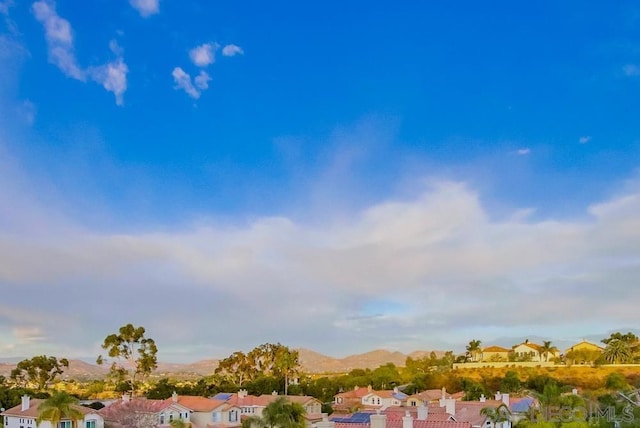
x=196, y=403
x=495, y=349
x=32, y=411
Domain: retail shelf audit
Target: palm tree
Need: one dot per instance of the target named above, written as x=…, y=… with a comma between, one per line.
x=58, y=407
x=547, y=348
x=473, y=348
x=496, y=415
x=280, y=413
x=617, y=351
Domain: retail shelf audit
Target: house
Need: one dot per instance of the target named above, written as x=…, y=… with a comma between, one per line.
x=345, y=401
x=384, y=398
x=583, y=353
x=25, y=414
x=143, y=412
x=420, y=417
x=495, y=353
x=431, y=396
x=208, y=412
x=243, y=404
x=533, y=352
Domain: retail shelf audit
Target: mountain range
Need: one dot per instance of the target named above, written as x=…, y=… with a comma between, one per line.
x=311, y=362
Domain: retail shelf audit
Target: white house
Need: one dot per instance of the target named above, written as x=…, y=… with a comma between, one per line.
x=384, y=398
x=25, y=414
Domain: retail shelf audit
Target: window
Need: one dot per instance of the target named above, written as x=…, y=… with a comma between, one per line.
x=90, y=424
x=64, y=424
x=161, y=418
x=170, y=416
x=233, y=416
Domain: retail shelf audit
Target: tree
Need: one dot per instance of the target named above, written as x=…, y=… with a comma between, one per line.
x=266, y=360
x=547, y=348
x=280, y=413
x=473, y=349
x=39, y=371
x=60, y=406
x=287, y=363
x=617, y=351
x=133, y=354
x=496, y=415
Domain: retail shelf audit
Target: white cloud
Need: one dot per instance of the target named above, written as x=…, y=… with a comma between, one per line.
x=584, y=140
x=202, y=80
x=456, y=265
x=631, y=70
x=183, y=81
x=146, y=8
x=232, y=50
x=204, y=54
x=59, y=36
x=113, y=77
x=523, y=151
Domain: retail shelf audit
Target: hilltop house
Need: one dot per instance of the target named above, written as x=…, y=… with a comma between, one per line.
x=25, y=414
x=583, y=353
x=533, y=351
x=495, y=353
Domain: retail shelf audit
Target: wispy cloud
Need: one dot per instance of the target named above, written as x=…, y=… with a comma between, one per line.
x=584, y=139
x=4, y=6
x=523, y=151
x=232, y=50
x=193, y=88
x=146, y=8
x=631, y=70
x=204, y=54
x=27, y=111
x=59, y=35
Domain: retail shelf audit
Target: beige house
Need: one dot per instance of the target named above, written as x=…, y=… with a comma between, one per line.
x=495, y=353
x=533, y=351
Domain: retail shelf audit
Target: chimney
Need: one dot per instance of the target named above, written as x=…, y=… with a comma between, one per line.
x=450, y=405
x=423, y=412
x=126, y=398
x=443, y=397
x=274, y=392
x=242, y=393
x=378, y=421
x=505, y=399
x=174, y=397
x=25, y=402
x=574, y=391
x=355, y=388
x=407, y=421
x=498, y=396
x=483, y=398
x=395, y=389
x=369, y=388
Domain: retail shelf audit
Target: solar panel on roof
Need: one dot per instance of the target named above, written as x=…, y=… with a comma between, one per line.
x=224, y=396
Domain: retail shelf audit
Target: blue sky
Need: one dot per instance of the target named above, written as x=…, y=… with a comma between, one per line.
x=377, y=167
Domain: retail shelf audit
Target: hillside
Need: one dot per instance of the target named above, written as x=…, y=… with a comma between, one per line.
x=314, y=362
